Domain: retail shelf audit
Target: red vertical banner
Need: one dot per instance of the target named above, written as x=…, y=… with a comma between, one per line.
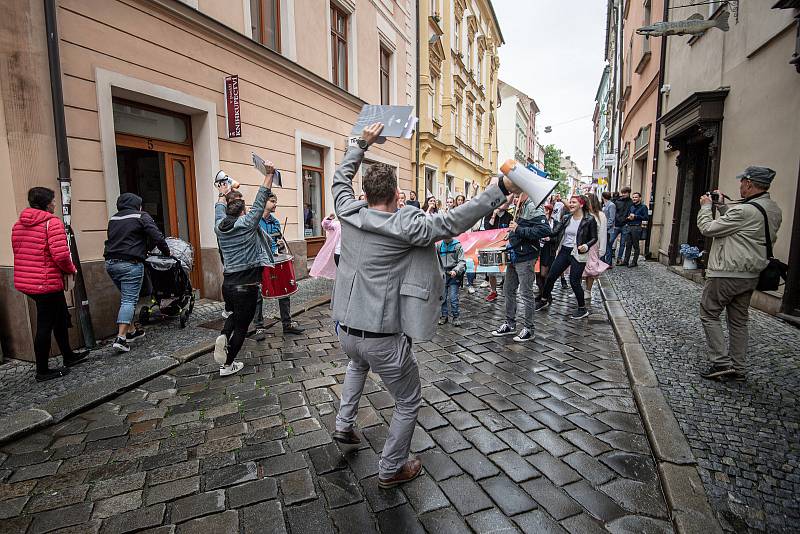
x=233, y=117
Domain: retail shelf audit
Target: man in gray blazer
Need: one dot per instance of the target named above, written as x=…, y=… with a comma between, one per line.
x=388, y=292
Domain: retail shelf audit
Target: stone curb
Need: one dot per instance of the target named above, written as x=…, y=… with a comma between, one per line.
x=677, y=467
x=26, y=421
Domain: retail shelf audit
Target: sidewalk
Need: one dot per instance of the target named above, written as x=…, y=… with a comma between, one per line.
x=107, y=371
x=540, y=437
x=744, y=436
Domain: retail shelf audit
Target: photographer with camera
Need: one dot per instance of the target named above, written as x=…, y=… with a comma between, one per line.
x=738, y=256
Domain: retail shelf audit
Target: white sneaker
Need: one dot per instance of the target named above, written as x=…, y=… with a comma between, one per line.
x=232, y=369
x=504, y=330
x=221, y=349
x=485, y=283
x=524, y=335
x=470, y=290
x=226, y=314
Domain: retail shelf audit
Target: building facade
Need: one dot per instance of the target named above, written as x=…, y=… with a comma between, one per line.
x=573, y=174
x=731, y=99
x=516, y=127
x=145, y=109
x=601, y=120
x=638, y=106
x=459, y=65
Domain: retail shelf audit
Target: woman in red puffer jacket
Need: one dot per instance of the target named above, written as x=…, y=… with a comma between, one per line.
x=41, y=259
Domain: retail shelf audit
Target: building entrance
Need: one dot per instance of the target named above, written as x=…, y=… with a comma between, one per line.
x=154, y=161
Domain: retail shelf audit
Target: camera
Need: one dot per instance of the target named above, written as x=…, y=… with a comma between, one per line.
x=714, y=196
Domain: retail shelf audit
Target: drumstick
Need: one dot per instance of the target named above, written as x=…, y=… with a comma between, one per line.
x=283, y=236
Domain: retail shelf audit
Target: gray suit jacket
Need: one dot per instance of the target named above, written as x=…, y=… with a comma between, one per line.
x=389, y=279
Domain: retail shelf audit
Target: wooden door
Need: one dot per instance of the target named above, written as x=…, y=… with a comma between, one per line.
x=182, y=207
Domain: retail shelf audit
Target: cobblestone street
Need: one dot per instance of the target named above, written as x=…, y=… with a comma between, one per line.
x=542, y=437
x=21, y=391
x=744, y=436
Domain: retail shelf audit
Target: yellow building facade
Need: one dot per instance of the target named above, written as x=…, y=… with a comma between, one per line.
x=459, y=67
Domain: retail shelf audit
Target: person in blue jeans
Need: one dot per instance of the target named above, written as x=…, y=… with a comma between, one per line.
x=129, y=232
x=622, y=205
x=451, y=258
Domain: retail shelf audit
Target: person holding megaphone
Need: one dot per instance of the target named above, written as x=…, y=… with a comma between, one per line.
x=388, y=290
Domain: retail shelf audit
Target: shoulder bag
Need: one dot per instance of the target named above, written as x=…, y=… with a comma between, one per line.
x=770, y=278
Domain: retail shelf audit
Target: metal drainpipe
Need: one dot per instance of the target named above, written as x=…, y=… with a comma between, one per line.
x=64, y=178
x=657, y=139
x=416, y=134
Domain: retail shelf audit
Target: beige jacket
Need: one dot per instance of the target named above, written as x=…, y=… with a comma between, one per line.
x=739, y=250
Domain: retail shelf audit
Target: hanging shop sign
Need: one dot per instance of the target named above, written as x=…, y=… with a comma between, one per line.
x=233, y=115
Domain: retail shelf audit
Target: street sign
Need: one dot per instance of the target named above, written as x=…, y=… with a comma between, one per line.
x=610, y=160
x=233, y=117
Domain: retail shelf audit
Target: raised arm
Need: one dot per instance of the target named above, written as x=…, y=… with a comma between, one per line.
x=343, y=195
x=253, y=217
x=420, y=230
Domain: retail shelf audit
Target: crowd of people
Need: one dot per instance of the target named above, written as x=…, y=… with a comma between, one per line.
x=398, y=266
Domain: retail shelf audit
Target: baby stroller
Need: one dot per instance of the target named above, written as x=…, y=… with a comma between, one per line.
x=169, y=278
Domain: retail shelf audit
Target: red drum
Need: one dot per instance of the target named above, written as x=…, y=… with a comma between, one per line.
x=278, y=280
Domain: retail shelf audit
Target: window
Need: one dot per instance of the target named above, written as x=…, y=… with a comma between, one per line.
x=339, y=47
x=457, y=35
x=467, y=188
x=450, y=186
x=478, y=135
x=386, y=60
x=313, y=190
x=265, y=17
x=434, y=8
x=469, y=53
x=435, y=111
x=430, y=180
x=479, y=69
x=470, y=140
x=457, y=122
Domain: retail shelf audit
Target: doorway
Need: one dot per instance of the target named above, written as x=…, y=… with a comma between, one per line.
x=694, y=179
x=155, y=161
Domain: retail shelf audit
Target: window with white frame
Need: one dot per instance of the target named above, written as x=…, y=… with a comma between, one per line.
x=470, y=139
x=457, y=34
x=265, y=20
x=450, y=186
x=430, y=181
x=457, y=122
x=386, y=75
x=339, y=46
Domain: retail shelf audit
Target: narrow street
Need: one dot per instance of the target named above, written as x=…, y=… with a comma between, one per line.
x=543, y=437
x=745, y=436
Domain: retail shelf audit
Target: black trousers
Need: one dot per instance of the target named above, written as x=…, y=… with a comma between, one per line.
x=632, y=237
x=336, y=259
x=243, y=301
x=563, y=260
x=52, y=317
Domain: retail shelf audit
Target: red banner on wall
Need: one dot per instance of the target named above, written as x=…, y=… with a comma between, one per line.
x=233, y=117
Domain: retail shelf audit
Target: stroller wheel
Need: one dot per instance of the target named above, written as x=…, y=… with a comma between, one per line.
x=144, y=315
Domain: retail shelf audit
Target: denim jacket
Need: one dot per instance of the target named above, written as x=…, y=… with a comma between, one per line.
x=243, y=245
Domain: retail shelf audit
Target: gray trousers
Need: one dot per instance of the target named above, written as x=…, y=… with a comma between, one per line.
x=392, y=359
x=733, y=296
x=519, y=276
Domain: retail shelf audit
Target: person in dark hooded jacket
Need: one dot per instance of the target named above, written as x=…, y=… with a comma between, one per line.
x=131, y=232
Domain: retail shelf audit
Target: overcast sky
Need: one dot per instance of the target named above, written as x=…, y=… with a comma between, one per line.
x=554, y=52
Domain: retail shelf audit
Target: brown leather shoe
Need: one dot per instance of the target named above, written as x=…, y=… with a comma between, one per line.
x=409, y=471
x=347, y=437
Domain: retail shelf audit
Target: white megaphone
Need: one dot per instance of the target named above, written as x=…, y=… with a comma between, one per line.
x=223, y=178
x=536, y=187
